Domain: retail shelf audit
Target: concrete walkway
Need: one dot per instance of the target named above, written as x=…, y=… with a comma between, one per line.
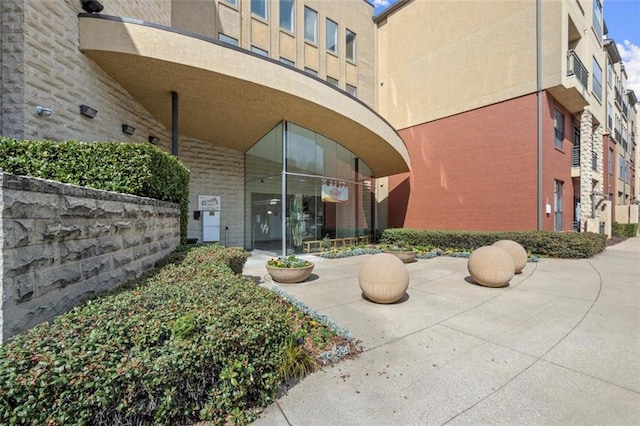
x=560, y=345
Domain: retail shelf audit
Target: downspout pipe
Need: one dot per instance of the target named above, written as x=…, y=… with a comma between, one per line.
x=539, y=102
x=174, y=123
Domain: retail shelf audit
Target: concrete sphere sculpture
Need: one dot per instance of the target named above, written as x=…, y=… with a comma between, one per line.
x=491, y=266
x=383, y=278
x=517, y=252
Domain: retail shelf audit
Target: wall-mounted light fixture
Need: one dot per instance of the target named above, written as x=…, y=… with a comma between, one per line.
x=128, y=129
x=44, y=111
x=92, y=6
x=154, y=140
x=87, y=111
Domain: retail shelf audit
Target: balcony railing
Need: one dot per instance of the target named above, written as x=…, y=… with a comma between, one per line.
x=576, y=68
x=617, y=135
x=575, y=156
x=594, y=161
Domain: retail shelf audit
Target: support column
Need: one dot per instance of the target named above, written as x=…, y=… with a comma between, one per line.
x=586, y=148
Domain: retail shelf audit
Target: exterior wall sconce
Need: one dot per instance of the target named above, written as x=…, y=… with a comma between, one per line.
x=154, y=140
x=129, y=130
x=87, y=111
x=44, y=111
x=92, y=6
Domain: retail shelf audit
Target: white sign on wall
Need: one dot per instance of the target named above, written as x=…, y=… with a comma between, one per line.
x=208, y=202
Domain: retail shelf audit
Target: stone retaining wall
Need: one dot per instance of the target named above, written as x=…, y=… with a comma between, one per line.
x=63, y=243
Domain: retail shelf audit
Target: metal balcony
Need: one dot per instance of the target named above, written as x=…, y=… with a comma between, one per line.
x=618, y=97
x=575, y=156
x=617, y=135
x=576, y=68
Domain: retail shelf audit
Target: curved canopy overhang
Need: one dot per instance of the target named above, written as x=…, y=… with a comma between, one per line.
x=230, y=96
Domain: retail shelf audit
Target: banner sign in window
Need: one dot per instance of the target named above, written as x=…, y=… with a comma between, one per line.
x=334, y=191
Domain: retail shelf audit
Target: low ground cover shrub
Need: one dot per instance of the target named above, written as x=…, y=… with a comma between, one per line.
x=624, y=229
x=191, y=341
x=550, y=244
x=349, y=251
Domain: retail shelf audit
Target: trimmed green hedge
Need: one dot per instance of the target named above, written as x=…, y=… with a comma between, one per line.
x=552, y=244
x=624, y=229
x=194, y=341
x=138, y=169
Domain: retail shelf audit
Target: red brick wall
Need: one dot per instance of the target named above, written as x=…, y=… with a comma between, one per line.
x=608, y=182
x=556, y=165
x=478, y=170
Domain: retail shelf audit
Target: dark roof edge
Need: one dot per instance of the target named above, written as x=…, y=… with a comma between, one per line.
x=612, y=50
x=388, y=11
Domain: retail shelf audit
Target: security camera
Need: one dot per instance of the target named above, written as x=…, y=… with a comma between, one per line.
x=44, y=111
x=92, y=6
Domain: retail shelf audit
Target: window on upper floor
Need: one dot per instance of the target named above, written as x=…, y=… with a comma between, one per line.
x=310, y=25
x=597, y=79
x=627, y=171
x=332, y=36
x=617, y=130
x=621, y=167
x=332, y=81
x=259, y=8
x=232, y=2
x=311, y=71
x=287, y=61
x=609, y=73
x=287, y=15
x=259, y=51
x=609, y=116
x=226, y=39
x=352, y=90
x=558, y=127
x=351, y=46
x=611, y=157
x=597, y=19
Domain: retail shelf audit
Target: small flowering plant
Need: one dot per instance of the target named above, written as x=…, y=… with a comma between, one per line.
x=397, y=247
x=288, y=262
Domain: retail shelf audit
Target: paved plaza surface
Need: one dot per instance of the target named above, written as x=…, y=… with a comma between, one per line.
x=559, y=345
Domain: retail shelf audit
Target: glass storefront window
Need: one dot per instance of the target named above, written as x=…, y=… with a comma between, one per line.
x=328, y=193
x=263, y=193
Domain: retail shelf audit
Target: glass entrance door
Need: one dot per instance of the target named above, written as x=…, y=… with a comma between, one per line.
x=266, y=218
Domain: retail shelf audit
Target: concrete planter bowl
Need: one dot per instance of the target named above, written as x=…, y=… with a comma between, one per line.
x=405, y=256
x=290, y=275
